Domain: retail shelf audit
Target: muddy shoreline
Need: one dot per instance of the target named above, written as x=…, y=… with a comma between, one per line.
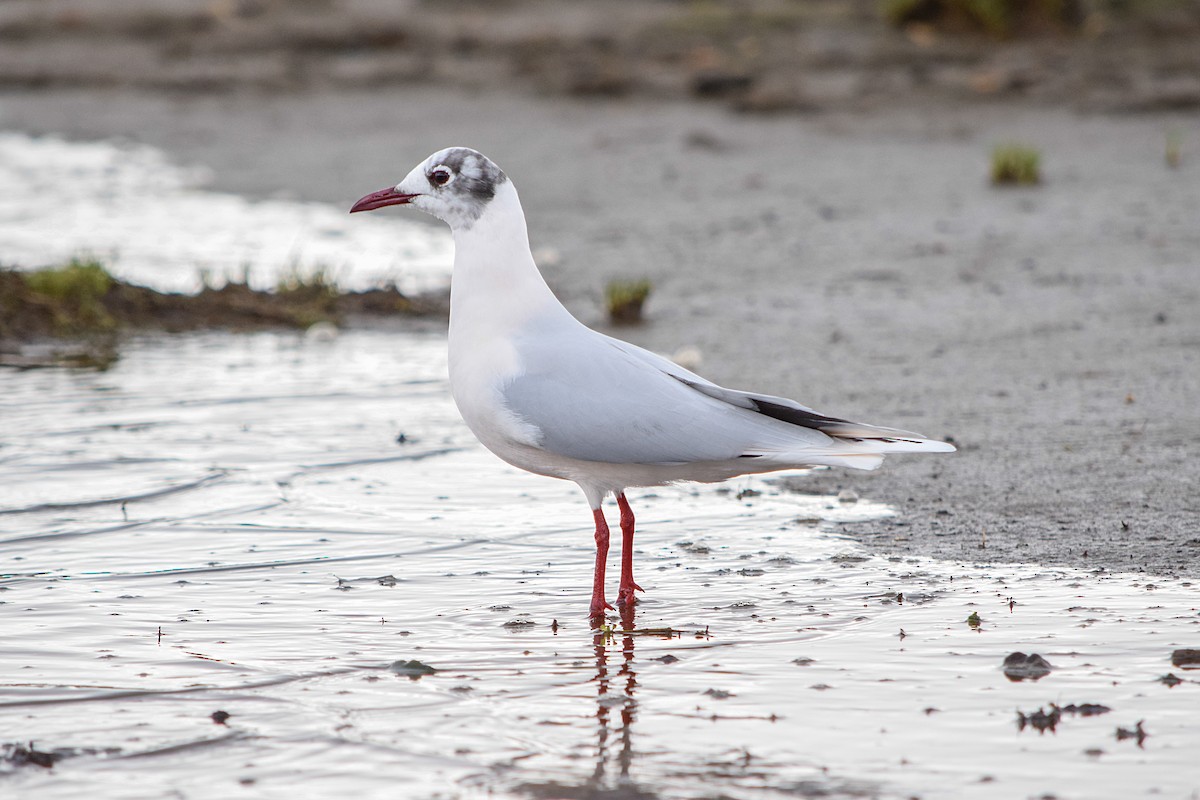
x=79, y=314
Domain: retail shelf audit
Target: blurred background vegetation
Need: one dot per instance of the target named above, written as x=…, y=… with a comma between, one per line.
x=756, y=55
x=1023, y=17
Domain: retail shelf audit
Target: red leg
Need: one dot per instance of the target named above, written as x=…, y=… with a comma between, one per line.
x=598, y=604
x=625, y=593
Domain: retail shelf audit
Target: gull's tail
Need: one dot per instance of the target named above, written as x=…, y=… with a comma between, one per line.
x=864, y=446
x=856, y=445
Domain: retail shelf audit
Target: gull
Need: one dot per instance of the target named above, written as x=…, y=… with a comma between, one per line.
x=551, y=396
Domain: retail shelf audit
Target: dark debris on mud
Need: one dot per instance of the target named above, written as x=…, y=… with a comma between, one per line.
x=413, y=669
x=1186, y=658
x=1019, y=667
x=1137, y=733
x=1043, y=720
x=15, y=755
x=20, y=755
x=1040, y=720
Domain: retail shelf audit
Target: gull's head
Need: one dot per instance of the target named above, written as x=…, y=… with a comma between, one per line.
x=455, y=185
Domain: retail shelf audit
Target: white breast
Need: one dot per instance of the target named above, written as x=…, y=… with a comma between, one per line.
x=479, y=368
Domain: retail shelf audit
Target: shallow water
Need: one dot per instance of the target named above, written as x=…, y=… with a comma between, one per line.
x=247, y=497
x=152, y=222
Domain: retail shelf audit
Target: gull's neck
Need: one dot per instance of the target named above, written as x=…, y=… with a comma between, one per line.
x=495, y=281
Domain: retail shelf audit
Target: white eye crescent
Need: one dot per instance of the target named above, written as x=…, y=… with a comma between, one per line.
x=440, y=176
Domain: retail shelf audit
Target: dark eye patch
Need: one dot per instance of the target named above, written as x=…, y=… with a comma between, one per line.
x=439, y=177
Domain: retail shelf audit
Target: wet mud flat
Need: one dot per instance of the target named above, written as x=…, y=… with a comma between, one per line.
x=287, y=568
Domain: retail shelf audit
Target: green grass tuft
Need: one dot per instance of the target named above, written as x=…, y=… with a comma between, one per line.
x=1016, y=165
x=317, y=281
x=78, y=279
x=75, y=292
x=1173, y=154
x=624, y=299
x=312, y=294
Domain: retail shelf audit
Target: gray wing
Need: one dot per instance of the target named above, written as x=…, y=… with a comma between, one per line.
x=780, y=408
x=596, y=398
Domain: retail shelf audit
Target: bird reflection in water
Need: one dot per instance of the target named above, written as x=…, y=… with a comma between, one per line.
x=616, y=688
x=616, y=678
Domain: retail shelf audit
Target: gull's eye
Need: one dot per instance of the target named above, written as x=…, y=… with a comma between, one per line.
x=439, y=177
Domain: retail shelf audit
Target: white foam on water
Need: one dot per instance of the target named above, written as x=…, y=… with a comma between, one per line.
x=153, y=222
